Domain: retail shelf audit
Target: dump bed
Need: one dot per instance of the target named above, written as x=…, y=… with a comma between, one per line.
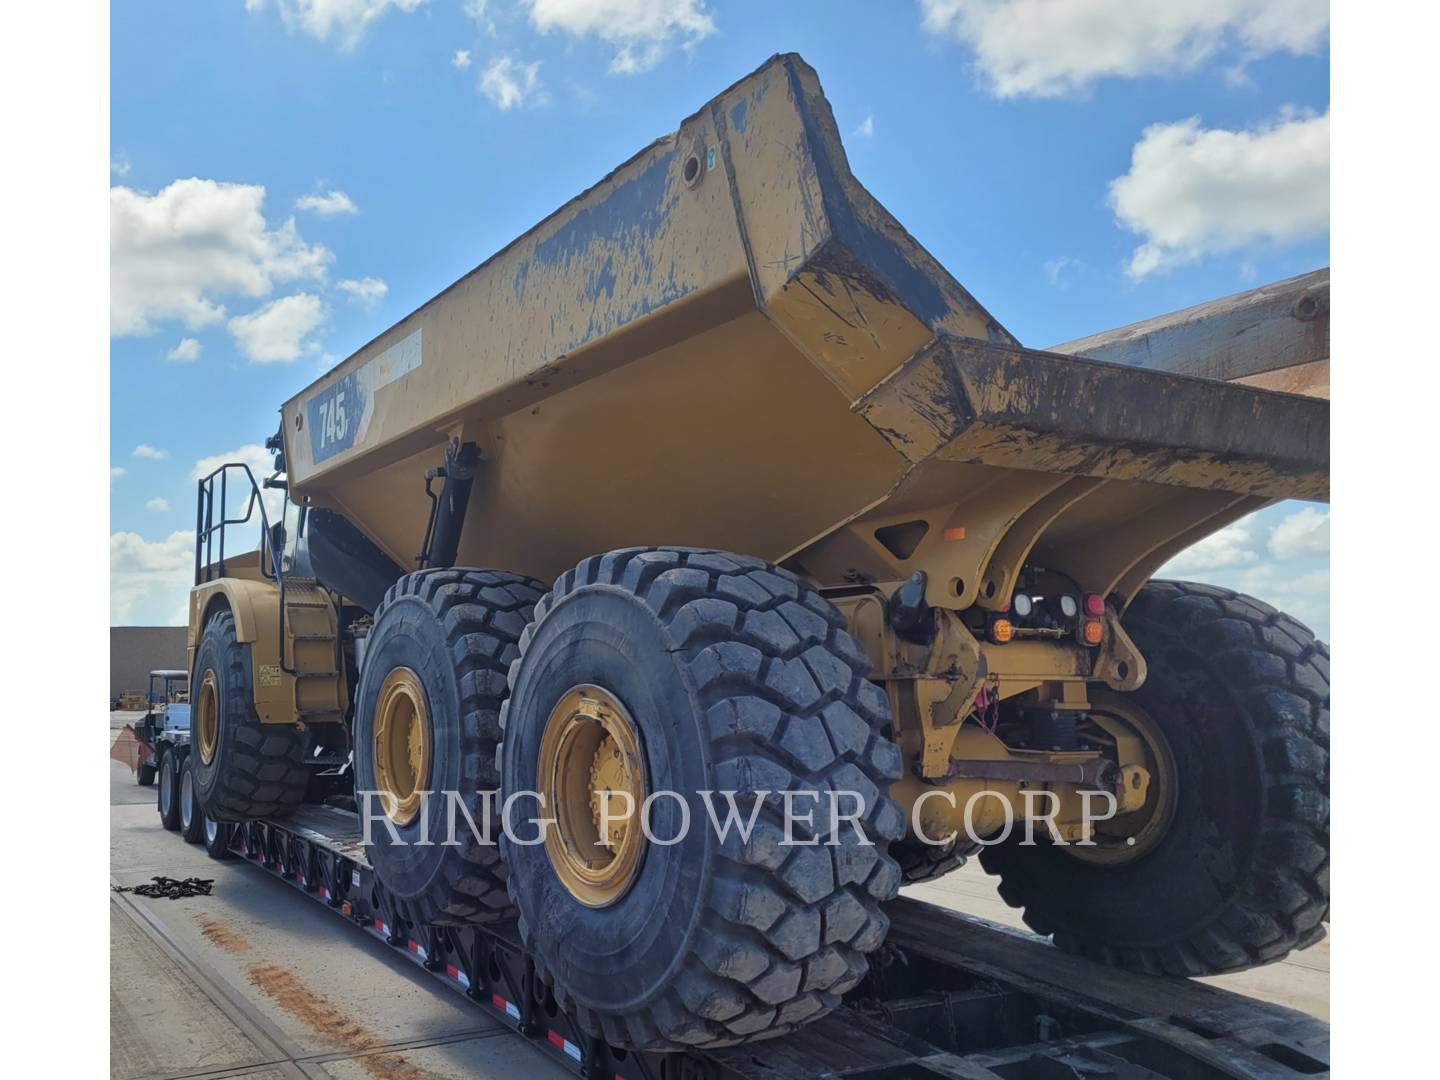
x=728, y=342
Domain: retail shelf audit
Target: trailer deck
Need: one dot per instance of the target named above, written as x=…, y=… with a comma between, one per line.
x=952, y=996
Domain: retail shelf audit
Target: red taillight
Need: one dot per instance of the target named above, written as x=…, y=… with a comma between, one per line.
x=1094, y=605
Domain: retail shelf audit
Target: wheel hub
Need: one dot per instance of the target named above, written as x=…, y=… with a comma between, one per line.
x=592, y=780
x=207, y=716
x=1130, y=836
x=401, y=745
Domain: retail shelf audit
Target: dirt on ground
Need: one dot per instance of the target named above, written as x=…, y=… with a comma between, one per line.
x=321, y=1016
x=222, y=936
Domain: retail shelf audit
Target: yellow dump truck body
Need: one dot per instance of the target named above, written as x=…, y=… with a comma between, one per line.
x=728, y=342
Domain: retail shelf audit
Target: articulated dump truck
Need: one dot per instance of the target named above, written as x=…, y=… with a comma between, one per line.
x=715, y=499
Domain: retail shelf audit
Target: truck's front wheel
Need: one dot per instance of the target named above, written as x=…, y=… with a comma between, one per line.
x=1226, y=866
x=243, y=768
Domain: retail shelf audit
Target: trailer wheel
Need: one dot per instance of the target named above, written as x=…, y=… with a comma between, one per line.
x=243, y=768
x=1230, y=867
x=673, y=675
x=167, y=797
x=192, y=820
x=427, y=722
x=216, y=837
x=145, y=774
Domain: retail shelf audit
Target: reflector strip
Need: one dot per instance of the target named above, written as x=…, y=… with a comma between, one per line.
x=564, y=1044
x=417, y=949
x=383, y=927
x=458, y=975
x=506, y=1007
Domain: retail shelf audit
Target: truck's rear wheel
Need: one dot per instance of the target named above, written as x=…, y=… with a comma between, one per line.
x=1229, y=864
x=167, y=797
x=657, y=671
x=427, y=722
x=243, y=769
x=192, y=819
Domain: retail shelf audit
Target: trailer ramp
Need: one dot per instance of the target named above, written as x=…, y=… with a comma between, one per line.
x=950, y=995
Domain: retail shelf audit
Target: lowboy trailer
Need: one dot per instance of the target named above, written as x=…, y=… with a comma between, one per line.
x=949, y=995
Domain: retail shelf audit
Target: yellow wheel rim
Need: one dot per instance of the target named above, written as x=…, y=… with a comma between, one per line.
x=1127, y=837
x=590, y=764
x=401, y=745
x=207, y=716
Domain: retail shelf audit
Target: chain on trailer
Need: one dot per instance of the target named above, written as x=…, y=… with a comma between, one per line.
x=949, y=995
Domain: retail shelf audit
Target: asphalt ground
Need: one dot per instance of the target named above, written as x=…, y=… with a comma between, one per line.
x=253, y=981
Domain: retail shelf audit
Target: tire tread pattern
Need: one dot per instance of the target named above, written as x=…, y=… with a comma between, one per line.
x=1279, y=675
x=789, y=707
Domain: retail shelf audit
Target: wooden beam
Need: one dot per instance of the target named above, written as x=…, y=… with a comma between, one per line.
x=1237, y=337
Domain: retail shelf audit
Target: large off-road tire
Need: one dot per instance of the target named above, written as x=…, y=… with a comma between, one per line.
x=1240, y=876
x=921, y=862
x=253, y=770
x=736, y=676
x=167, y=797
x=455, y=631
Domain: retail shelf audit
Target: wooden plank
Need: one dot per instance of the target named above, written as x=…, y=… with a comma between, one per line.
x=1276, y=326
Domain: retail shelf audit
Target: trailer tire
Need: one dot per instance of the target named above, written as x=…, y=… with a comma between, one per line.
x=1241, y=876
x=167, y=797
x=455, y=631
x=256, y=770
x=736, y=676
x=145, y=774
x=192, y=818
x=216, y=837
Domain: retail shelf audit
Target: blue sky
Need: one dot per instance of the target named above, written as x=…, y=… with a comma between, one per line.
x=289, y=177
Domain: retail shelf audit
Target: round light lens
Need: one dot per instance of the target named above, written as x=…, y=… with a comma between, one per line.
x=1022, y=605
x=1069, y=606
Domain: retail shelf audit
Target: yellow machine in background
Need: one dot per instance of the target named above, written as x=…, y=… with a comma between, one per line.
x=715, y=481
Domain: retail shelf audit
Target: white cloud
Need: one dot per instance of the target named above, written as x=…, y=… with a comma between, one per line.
x=158, y=504
x=173, y=253
x=461, y=59
x=187, y=351
x=365, y=291
x=344, y=20
x=641, y=31
x=1305, y=532
x=327, y=205
x=276, y=333
x=150, y=579
x=116, y=472
x=509, y=83
x=1193, y=191
x=120, y=167
x=1050, y=48
x=145, y=450
x=866, y=128
x=1230, y=547
x=1058, y=270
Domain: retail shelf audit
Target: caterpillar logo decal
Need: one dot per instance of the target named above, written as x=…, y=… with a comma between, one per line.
x=339, y=415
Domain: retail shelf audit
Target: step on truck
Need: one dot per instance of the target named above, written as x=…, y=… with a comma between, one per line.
x=715, y=494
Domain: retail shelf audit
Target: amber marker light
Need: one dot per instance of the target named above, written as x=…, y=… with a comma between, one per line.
x=1001, y=631
x=1093, y=632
